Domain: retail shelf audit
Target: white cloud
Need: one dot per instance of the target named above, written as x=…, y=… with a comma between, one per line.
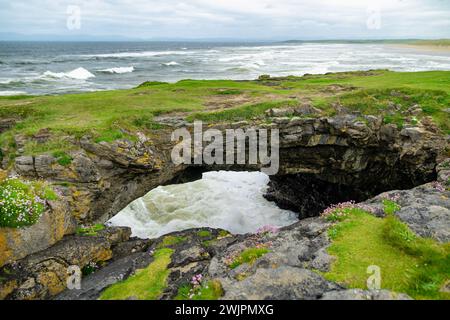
x=251, y=19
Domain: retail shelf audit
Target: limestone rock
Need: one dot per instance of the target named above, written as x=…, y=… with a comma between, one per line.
x=44, y=166
x=24, y=165
x=283, y=283
x=54, y=223
x=6, y=124
x=358, y=294
x=43, y=274
x=425, y=209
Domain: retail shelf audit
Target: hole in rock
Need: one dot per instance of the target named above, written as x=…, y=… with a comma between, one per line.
x=233, y=201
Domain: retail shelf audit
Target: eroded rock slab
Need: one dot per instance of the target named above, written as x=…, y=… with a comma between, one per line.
x=425, y=209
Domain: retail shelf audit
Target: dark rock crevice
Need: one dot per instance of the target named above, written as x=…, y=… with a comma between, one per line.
x=309, y=195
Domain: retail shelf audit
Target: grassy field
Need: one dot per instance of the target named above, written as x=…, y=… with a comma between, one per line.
x=110, y=115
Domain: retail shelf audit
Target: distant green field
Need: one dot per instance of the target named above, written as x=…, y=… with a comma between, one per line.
x=110, y=115
x=439, y=43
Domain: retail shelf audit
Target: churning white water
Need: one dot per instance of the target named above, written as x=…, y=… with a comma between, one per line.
x=221, y=199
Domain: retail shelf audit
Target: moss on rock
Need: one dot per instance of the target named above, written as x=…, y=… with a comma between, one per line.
x=145, y=284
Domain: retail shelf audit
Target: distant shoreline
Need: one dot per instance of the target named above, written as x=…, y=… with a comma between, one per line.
x=423, y=47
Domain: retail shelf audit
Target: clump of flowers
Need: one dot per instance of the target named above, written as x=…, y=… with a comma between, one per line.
x=256, y=245
x=200, y=288
x=390, y=205
x=394, y=197
x=267, y=230
x=90, y=268
x=22, y=202
x=195, y=286
x=197, y=280
x=340, y=211
x=438, y=186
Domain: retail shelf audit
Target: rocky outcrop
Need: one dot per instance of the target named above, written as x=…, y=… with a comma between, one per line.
x=192, y=253
x=358, y=294
x=6, y=124
x=53, y=225
x=284, y=273
x=359, y=156
x=425, y=209
x=323, y=160
x=291, y=268
x=283, y=283
x=44, y=274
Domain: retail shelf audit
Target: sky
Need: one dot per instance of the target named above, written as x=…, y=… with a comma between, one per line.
x=224, y=19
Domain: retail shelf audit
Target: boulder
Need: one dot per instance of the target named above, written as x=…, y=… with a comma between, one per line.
x=18, y=243
x=283, y=283
x=44, y=274
x=358, y=294
x=24, y=166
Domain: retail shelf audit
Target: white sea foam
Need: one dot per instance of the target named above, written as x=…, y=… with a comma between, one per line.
x=12, y=93
x=171, y=63
x=230, y=200
x=239, y=62
x=118, y=70
x=78, y=74
x=135, y=54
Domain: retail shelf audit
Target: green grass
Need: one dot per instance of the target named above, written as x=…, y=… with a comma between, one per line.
x=212, y=290
x=62, y=158
x=241, y=113
x=390, y=207
x=169, y=241
x=145, y=284
x=90, y=230
x=22, y=203
x=229, y=92
x=382, y=101
x=209, y=243
x=204, y=233
x=248, y=256
x=408, y=263
x=112, y=115
x=223, y=233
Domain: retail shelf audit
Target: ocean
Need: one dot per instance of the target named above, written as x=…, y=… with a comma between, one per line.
x=232, y=201
x=40, y=68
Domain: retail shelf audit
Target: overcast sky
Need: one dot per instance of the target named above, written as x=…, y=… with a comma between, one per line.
x=231, y=19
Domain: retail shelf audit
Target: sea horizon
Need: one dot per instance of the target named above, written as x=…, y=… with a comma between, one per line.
x=48, y=67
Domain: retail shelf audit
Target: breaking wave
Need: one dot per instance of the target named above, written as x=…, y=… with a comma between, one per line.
x=229, y=200
x=78, y=74
x=171, y=63
x=135, y=54
x=118, y=70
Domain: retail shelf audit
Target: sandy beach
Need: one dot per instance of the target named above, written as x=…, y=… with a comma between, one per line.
x=427, y=48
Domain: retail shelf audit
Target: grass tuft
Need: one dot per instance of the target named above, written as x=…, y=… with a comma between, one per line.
x=248, y=256
x=211, y=290
x=91, y=230
x=145, y=284
x=204, y=233
x=408, y=263
x=169, y=241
